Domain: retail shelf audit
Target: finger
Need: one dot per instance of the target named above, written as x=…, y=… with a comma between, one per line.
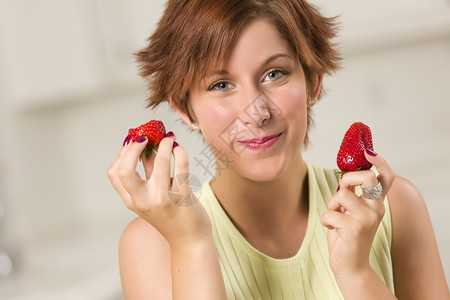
x=334, y=220
x=181, y=185
x=148, y=164
x=128, y=175
x=386, y=174
x=181, y=162
x=345, y=201
x=148, y=158
x=366, y=179
x=161, y=168
x=127, y=141
x=119, y=188
x=117, y=185
x=122, y=152
x=113, y=176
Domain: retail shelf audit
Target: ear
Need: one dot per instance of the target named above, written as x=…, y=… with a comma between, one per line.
x=183, y=115
x=317, y=82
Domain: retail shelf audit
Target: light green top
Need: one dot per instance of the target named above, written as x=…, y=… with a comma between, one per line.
x=250, y=274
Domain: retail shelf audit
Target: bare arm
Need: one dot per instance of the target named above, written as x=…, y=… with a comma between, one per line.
x=352, y=222
x=144, y=261
x=196, y=272
x=169, y=252
x=149, y=269
x=418, y=271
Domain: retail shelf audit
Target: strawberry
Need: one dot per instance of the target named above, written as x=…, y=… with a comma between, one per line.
x=153, y=130
x=351, y=153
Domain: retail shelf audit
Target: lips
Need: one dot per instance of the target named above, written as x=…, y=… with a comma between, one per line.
x=260, y=140
x=261, y=143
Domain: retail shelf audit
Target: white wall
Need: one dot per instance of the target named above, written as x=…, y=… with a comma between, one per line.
x=69, y=91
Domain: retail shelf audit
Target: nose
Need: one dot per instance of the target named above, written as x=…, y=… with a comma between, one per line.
x=256, y=111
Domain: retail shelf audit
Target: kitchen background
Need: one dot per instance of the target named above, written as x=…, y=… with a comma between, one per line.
x=69, y=90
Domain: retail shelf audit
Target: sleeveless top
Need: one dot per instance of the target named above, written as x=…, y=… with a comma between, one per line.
x=250, y=274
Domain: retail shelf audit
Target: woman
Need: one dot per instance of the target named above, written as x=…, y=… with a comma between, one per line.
x=245, y=74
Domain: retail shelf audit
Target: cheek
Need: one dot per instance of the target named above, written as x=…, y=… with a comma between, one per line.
x=214, y=119
x=292, y=101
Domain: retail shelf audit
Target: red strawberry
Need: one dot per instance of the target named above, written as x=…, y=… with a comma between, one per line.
x=155, y=132
x=351, y=153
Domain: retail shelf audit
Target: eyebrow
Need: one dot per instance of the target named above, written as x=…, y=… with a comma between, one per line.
x=266, y=62
x=275, y=57
x=220, y=73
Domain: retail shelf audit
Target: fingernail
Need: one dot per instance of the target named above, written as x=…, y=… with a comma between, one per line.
x=371, y=152
x=175, y=144
x=127, y=140
x=169, y=134
x=338, y=188
x=141, y=139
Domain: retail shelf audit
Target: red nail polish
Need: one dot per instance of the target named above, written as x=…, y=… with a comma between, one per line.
x=169, y=134
x=175, y=144
x=338, y=188
x=141, y=139
x=127, y=140
x=371, y=152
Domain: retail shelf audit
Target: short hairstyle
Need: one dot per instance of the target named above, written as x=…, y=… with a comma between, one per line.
x=193, y=37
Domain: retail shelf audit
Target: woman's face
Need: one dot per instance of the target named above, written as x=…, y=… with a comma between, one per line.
x=253, y=110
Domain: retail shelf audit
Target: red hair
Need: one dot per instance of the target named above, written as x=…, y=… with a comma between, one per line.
x=193, y=37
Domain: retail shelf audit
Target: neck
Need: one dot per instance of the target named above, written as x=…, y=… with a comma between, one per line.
x=264, y=208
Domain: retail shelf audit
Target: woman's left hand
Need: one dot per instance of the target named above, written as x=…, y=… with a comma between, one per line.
x=353, y=220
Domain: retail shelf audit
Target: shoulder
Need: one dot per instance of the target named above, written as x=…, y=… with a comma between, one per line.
x=407, y=206
x=144, y=261
x=403, y=191
x=405, y=200
x=418, y=272
x=408, y=209
x=142, y=236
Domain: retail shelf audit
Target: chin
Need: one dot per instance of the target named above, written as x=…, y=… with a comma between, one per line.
x=264, y=170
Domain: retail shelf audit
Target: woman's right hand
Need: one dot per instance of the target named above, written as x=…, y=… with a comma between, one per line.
x=168, y=204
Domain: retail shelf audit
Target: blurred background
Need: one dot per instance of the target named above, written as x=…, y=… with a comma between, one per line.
x=69, y=90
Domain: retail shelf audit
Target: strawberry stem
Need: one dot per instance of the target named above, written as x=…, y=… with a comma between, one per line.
x=341, y=173
x=148, y=152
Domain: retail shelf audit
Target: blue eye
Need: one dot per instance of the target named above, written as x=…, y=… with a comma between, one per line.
x=219, y=86
x=274, y=75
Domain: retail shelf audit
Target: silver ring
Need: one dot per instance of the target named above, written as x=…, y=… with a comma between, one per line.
x=374, y=192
